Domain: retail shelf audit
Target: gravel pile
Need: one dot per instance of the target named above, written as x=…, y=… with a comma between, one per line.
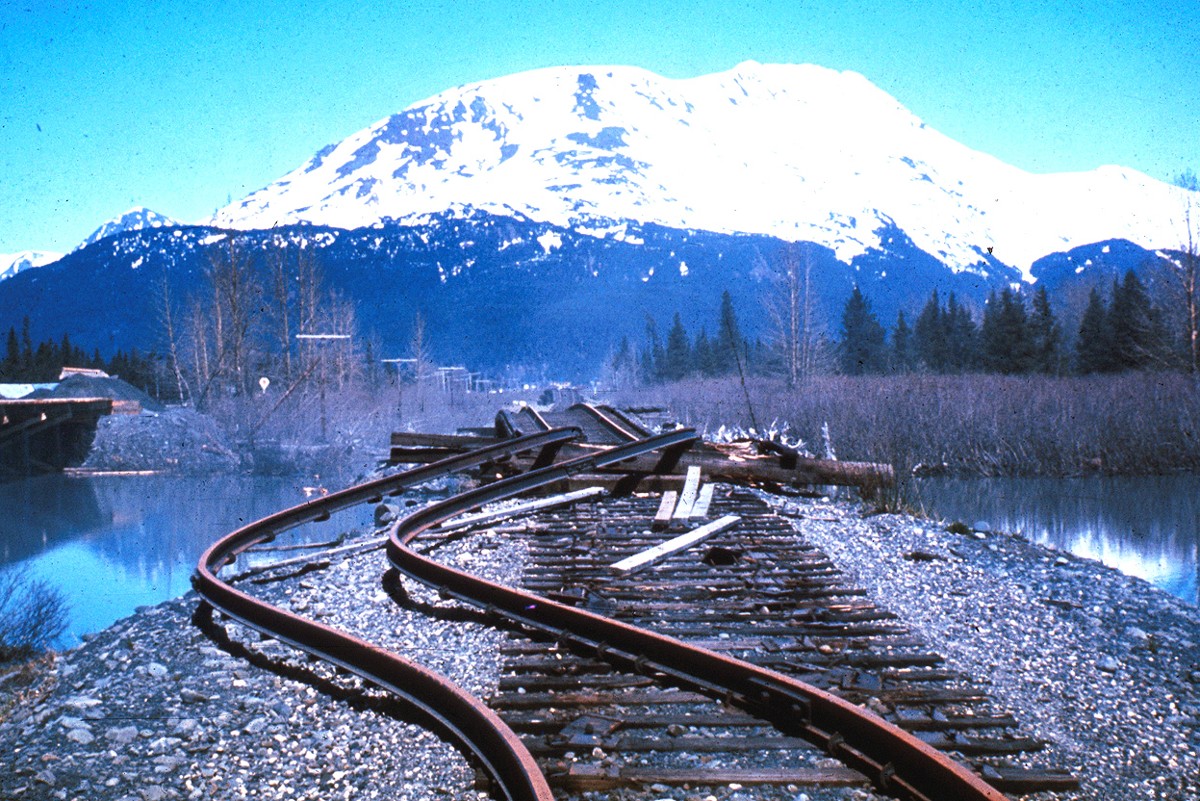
x=1105, y=666
x=177, y=440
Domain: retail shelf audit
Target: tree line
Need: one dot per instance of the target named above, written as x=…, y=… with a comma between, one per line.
x=680, y=355
x=26, y=362
x=1018, y=333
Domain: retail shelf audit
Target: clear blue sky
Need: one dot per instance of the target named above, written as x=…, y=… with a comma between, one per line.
x=181, y=106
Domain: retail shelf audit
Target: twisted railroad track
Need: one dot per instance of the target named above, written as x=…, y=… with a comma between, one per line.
x=779, y=656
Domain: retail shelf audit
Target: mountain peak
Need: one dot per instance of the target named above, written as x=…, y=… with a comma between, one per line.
x=135, y=219
x=794, y=151
x=13, y=263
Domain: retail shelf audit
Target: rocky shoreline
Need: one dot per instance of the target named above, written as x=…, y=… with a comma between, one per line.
x=1104, y=666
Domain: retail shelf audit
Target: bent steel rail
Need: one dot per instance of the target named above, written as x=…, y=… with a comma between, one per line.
x=894, y=760
x=614, y=426
x=478, y=729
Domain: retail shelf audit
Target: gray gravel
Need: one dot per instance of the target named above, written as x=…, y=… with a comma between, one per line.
x=1104, y=666
x=152, y=709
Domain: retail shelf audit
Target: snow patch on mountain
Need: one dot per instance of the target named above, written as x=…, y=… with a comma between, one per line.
x=13, y=263
x=798, y=152
x=135, y=219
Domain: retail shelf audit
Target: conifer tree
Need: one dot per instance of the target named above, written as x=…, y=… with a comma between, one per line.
x=961, y=337
x=1131, y=324
x=653, y=355
x=1006, y=343
x=679, y=353
x=1093, y=348
x=902, y=345
x=1045, y=334
x=862, y=347
x=930, y=335
x=703, y=355
x=729, y=345
x=12, y=355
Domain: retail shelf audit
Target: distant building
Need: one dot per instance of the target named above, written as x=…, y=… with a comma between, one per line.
x=67, y=372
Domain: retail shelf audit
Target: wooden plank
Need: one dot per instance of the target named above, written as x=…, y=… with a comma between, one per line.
x=583, y=777
x=703, y=501
x=662, y=519
x=687, y=499
x=673, y=546
x=458, y=442
x=522, y=508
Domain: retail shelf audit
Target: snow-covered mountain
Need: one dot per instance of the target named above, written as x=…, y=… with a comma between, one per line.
x=135, y=219
x=797, y=152
x=13, y=263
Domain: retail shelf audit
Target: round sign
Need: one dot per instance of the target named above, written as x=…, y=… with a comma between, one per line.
x=264, y=382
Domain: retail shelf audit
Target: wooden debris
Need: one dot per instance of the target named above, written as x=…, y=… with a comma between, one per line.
x=703, y=502
x=691, y=486
x=662, y=519
x=673, y=546
x=522, y=508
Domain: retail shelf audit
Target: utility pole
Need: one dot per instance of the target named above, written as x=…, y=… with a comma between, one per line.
x=322, y=338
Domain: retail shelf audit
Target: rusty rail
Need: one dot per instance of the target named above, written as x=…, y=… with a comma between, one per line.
x=894, y=760
x=617, y=427
x=514, y=773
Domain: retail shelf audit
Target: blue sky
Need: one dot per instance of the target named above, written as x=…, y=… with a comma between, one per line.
x=181, y=106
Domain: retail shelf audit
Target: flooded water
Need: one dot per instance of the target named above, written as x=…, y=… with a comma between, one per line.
x=1147, y=527
x=113, y=543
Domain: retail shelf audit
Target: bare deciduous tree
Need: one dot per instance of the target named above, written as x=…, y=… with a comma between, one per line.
x=1186, y=270
x=167, y=318
x=791, y=304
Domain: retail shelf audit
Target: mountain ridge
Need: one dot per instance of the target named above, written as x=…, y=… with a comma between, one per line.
x=797, y=152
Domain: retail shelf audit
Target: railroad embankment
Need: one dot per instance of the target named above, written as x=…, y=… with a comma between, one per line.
x=1104, y=667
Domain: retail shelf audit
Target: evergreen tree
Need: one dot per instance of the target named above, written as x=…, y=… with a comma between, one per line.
x=1006, y=343
x=961, y=337
x=930, y=335
x=1093, y=348
x=903, y=357
x=678, y=354
x=12, y=356
x=1045, y=334
x=622, y=360
x=729, y=345
x=703, y=355
x=862, y=347
x=991, y=341
x=1131, y=324
x=26, y=347
x=652, y=355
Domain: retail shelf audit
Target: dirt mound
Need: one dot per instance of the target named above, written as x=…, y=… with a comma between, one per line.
x=177, y=440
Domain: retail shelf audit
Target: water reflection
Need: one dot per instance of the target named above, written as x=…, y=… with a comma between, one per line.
x=1144, y=526
x=113, y=543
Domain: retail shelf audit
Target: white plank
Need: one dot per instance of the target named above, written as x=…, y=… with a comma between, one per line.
x=673, y=546
x=700, y=509
x=687, y=498
x=665, y=508
x=522, y=508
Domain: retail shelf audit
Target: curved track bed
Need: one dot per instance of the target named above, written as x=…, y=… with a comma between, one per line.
x=897, y=762
x=509, y=765
x=892, y=759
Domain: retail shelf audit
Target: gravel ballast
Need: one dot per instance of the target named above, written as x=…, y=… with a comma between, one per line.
x=1104, y=666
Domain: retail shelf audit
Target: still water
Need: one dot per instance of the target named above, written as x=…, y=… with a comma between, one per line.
x=113, y=543
x=1147, y=527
